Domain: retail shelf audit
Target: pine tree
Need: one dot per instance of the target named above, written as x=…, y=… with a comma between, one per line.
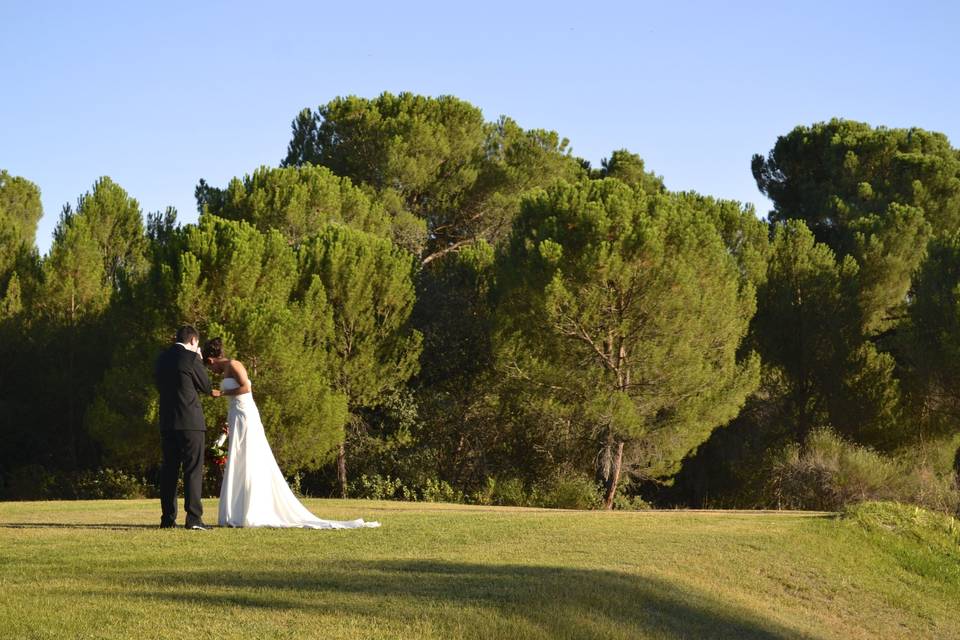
x=303, y=146
x=628, y=308
x=447, y=177
x=368, y=283
x=875, y=194
x=74, y=295
x=297, y=201
x=807, y=325
x=238, y=283
x=20, y=211
x=116, y=223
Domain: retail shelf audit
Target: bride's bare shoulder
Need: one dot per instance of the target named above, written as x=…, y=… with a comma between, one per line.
x=236, y=370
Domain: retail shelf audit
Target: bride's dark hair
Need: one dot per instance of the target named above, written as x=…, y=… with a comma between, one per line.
x=212, y=348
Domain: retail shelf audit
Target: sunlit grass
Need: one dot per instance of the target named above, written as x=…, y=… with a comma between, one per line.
x=102, y=570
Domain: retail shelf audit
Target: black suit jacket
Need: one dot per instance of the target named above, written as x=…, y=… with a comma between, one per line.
x=180, y=379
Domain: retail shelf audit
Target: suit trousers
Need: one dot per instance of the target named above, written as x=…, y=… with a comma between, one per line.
x=182, y=449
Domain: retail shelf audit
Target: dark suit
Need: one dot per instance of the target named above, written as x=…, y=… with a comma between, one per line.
x=180, y=379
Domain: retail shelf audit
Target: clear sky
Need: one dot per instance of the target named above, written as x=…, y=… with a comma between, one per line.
x=159, y=95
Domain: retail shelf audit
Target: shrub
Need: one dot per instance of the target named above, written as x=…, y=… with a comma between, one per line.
x=559, y=492
x=377, y=487
x=440, y=491
x=508, y=492
x=569, y=492
x=622, y=502
x=485, y=495
x=296, y=485
x=107, y=484
x=923, y=486
x=827, y=473
x=30, y=482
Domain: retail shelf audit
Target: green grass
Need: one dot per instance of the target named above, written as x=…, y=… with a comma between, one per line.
x=102, y=570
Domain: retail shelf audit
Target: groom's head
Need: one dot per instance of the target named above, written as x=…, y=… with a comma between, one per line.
x=188, y=335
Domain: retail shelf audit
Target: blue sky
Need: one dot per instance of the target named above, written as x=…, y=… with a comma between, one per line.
x=159, y=97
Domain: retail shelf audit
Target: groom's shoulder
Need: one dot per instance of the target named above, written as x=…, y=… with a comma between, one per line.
x=174, y=354
x=187, y=359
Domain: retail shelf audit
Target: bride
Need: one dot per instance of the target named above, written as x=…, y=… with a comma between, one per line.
x=254, y=492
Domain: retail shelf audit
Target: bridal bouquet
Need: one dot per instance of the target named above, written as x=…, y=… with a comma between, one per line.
x=218, y=450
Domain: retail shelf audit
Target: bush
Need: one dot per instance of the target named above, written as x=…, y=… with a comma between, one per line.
x=508, y=492
x=923, y=486
x=569, y=492
x=377, y=487
x=212, y=481
x=440, y=491
x=107, y=484
x=34, y=482
x=31, y=482
x=296, y=485
x=561, y=492
x=828, y=473
x=483, y=496
x=622, y=502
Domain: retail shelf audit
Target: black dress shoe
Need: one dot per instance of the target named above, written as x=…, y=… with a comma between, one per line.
x=199, y=526
x=164, y=525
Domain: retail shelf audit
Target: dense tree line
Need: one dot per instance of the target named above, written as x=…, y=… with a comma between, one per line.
x=434, y=306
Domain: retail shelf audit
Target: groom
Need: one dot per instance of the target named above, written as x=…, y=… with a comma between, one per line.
x=181, y=378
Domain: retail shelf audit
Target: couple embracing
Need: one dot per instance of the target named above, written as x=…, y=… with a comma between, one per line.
x=254, y=492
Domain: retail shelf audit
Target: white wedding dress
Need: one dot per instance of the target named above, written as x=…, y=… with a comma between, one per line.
x=254, y=492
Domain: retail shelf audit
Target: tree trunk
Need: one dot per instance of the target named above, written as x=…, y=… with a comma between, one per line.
x=613, y=478
x=71, y=387
x=342, y=470
x=956, y=471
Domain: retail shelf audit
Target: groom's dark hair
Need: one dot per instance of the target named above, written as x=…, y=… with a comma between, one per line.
x=186, y=333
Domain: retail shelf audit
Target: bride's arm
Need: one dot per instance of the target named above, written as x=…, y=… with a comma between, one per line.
x=238, y=372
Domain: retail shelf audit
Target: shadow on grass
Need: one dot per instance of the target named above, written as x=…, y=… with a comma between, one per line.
x=70, y=525
x=560, y=602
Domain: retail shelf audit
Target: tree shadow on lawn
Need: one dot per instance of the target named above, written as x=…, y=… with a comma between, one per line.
x=562, y=602
x=70, y=525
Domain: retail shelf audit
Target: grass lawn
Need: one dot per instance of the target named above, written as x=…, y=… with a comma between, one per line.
x=103, y=570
